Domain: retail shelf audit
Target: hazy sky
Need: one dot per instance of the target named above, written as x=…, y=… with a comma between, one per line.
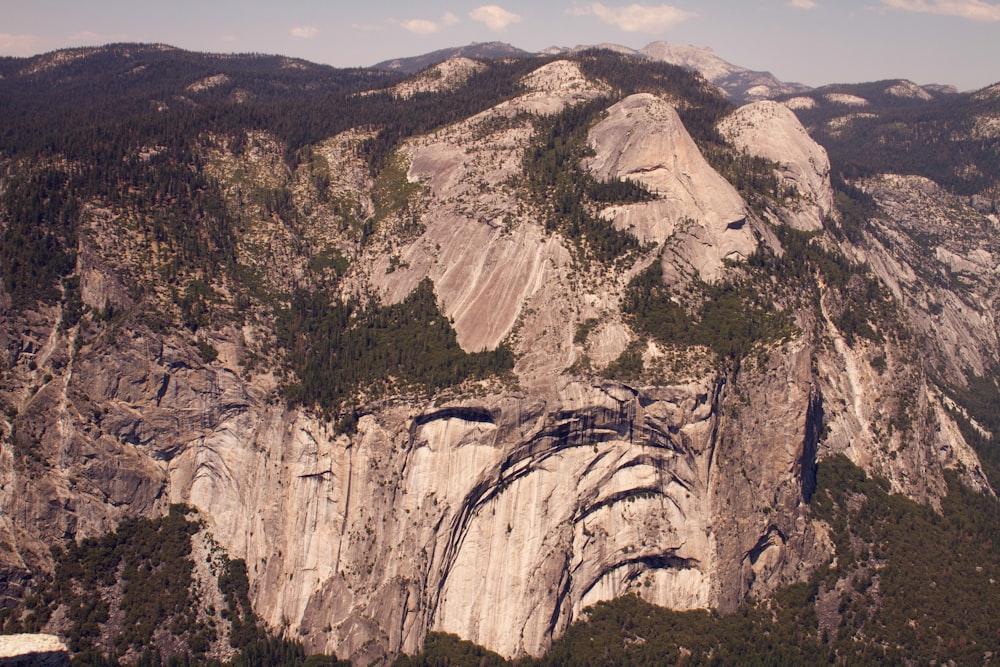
x=811, y=41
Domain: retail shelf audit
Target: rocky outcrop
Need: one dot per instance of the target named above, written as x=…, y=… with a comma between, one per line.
x=909, y=90
x=28, y=650
x=642, y=138
x=941, y=259
x=553, y=86
x=772, y=131
x=447, y=75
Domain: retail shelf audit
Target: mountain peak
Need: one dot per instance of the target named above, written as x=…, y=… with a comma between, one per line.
x=475, y=50
x=739, y=83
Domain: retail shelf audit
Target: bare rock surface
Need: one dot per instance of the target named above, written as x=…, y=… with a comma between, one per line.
x=498, y=519
x=737, y=82
x=800, y=103
x=846, y=99
x=33, y=650
x=909, y=90
x=941, y=258
x=772, y=131
x=555, y=85
x=444, y=76
x=642, y=138
x=480, y=245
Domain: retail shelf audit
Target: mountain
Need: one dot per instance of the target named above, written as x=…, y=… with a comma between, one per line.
x=740, y=84
x=297, y=360
x=478, y=51
x=883, y=127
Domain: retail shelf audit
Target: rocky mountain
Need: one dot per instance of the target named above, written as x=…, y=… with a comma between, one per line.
x=883, y=127
x=560, y=330
x=476, y=50
x=739, y=83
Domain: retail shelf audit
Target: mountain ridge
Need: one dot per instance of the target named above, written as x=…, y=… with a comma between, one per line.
x=485, y=50
x=738, y=82
x=645, y=327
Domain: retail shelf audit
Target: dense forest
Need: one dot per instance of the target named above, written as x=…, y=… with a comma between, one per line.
x=335, y=348
x=731, y=317
x=941, y=138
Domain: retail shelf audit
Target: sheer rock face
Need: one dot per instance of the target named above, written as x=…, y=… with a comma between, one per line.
x=482, y=246
x=500, y=519
x=501, y=513
x=772, y=131
x=642, y=138
x=941, y=258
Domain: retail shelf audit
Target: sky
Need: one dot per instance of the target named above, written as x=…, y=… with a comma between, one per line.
x=814, y=42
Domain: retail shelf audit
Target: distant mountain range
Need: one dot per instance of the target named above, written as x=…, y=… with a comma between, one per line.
x=479, y=51
x=739, y=83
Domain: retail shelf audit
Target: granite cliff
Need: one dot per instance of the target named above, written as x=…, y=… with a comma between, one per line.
x=609, y=459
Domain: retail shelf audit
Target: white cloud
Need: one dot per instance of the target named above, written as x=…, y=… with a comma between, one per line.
x=420, y=26
x=304, y=31
x=636, y=17
x=974, y=10
x=802, y=4
x=425, y=27
x=18, y=45
x=495, y=18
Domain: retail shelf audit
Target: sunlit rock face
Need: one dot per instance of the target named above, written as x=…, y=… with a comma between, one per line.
x=500, y=511
x=642, y=138
x=771, y=130
x=497, y=519
x=33, y=650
